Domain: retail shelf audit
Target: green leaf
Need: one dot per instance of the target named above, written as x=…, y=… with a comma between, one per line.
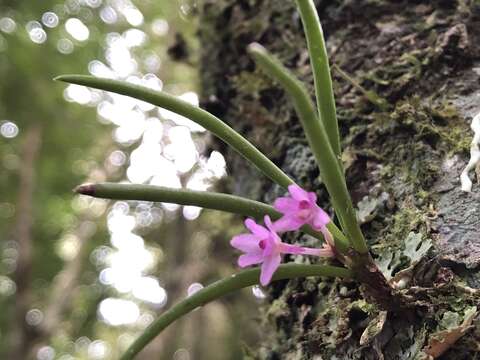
x=328, y=163
x=321, y=72
x=222, y=287
x=194, y=113
x=205, y=199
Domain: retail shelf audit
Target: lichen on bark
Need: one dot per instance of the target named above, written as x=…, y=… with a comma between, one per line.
x=421, y=59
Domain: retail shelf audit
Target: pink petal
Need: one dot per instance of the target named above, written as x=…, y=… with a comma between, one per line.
x=256, y=229
x=270, y=246
x=298, y=193
x=321, y=219
x=274, y=239
x=246, y=242
x=312, y=197
x=249, y=259
x=288, y=223
x=271, y=227
x=268, y=222
x=269, y=266
x=285, y=205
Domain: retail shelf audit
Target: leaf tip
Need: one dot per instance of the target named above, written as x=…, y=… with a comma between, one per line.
x=68, y=78
x=59, y=78
x=85, y=189
x=255, y=48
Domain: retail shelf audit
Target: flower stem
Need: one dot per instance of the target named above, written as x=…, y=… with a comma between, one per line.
x=321, y=72
x=194, y=113
x=222, y=287
x=331, y=172
x=204, y=199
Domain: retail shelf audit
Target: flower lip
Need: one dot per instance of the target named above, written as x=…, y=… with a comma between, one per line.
x=304, y=204
x=262, y=244
x=304, y=215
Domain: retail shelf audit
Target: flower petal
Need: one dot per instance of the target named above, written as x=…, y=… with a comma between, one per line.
x=246, y=242
x=312, y=197
x=298, y=193
x=320, y=219
x=273, y=238
x=249, y=259
x=285, y=205
x=268, y=222
x=288, y=223
x=269, y=266
x=256, y=229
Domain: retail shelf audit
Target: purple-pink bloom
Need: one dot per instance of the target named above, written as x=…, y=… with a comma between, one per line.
x=263, y=245
x=298, y=209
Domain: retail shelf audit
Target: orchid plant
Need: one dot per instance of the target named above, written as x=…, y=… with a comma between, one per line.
x=297, y=211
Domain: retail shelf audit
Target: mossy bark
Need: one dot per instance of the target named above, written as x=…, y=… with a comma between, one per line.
x=402, y=164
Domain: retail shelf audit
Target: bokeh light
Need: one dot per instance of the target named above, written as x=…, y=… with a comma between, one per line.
x=118, y=312
x=50, y=19
x=8, y=129
x=77, y=29
x=7, y=25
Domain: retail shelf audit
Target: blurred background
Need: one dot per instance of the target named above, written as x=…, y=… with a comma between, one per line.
x=80, y=278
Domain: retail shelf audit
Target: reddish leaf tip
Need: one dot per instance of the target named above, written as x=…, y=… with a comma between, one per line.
x=85, y=189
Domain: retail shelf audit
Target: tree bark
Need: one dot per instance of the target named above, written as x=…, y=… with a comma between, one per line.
x=402, y=164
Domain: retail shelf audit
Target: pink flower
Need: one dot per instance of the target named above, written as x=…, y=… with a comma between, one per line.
x=263, y=245
x=300, y=209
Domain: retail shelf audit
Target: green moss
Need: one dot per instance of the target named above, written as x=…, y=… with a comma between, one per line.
x=407, y=219
x=278, y=308
x=251, y=82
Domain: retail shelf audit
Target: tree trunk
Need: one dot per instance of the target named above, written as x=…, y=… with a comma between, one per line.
x=402, y=165
x=23, y=334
